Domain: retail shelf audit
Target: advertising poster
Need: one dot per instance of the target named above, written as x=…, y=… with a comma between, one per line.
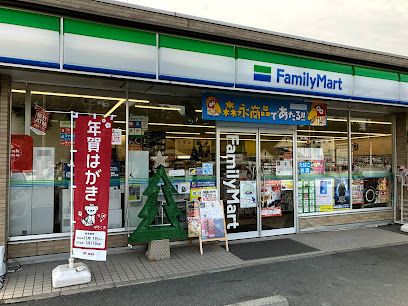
x=193, y=219
x=311, y=161
x=21, y=153
x=40, y=121
x=209, y=194
x=275, y=211
x=65, y=133
x=284, y=167
x=286, y=184
x=93, y=145
x=384, y=195
x=183, y=187
x=237, y=108
x=270, y=198
x=207, y=168
x=324, y=194
x=247, y=194
x=115, y=173
x=358, y=191
x=212, y=220
x=116, y=137
x=270, y=193
x=341, y=193
x=135, y=192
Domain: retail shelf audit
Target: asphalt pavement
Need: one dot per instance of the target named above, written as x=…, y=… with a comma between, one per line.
x=367, y=277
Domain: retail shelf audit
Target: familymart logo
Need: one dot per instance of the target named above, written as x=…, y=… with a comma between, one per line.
x=262, y=73
x=308, y=79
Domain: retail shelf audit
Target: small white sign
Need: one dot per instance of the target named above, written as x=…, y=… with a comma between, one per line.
x=116, y=137
x=178, y=172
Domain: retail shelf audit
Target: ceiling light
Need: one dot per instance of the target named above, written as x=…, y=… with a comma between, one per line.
x=159, y=107
x=358, y=121
x=114, y=107
x=186, y=133
x=199, y=110
x=196, y=138
x=138, y=101
x=186, y=125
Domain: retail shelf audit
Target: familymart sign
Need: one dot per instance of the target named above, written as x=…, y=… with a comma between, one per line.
x=260, y=75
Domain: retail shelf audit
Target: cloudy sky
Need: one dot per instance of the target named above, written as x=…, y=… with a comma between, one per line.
x=371, y=24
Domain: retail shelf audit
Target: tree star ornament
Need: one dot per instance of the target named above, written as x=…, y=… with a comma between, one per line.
x=160, y=159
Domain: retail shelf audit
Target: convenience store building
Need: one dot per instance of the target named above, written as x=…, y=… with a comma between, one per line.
x=297, y=135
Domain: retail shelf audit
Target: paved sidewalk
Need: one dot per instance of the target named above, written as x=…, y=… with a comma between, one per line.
x=132, y=267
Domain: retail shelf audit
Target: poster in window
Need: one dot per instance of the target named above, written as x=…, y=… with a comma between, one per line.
x=247, y=194
x=21, y=153
x=358, y=191
x=384, y=195
x=341, y=193
x=324, y=194
x=270, y=198
x=209, y=194
x=212, y=220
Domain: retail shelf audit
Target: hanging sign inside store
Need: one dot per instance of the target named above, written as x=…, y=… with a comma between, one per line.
x=93, y=145
x=262, y=110
x=40, y=121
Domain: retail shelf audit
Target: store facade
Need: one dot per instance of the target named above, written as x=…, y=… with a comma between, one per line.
x=292, y=143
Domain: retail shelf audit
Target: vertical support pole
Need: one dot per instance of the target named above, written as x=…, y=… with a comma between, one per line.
x=71, y=257
x=27, y=111
x=127, y=161
x=350, y=157
x=295, y=182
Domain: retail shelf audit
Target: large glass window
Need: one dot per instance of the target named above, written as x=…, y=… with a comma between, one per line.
x=170, y=124
x=40, y=172
x=371, y=137
x=322, y=156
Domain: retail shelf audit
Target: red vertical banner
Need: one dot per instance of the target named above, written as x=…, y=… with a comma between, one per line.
x=93, y=138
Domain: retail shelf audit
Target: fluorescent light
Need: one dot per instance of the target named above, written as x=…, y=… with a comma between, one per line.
x=339, y=132
x=375, y=136
x=138, y=101
x=120, y=122
x=183, y=157
x=187, y=133
x=60, y=94
x=358, y=121
x=186, y=125
x=197, y=138
x=199, y=110
x=114, y=107
x=159, y=107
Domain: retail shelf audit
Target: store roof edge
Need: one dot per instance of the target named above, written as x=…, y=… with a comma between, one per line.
x=248, y=36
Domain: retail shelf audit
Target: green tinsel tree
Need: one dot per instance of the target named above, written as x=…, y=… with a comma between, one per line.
x=147, y=232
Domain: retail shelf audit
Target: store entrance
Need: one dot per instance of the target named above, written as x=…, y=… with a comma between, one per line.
x=255, y=180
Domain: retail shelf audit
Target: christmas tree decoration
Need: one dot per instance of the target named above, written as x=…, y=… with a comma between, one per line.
x=147, y=232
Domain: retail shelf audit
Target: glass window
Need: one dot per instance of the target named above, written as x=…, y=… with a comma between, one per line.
x=322, y=157
x=40, y=172
x=172, y=126
x=371, y=137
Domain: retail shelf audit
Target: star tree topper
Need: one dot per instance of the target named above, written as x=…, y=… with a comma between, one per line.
x=159, y=159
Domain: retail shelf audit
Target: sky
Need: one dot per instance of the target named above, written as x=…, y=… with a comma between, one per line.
x=370, y=24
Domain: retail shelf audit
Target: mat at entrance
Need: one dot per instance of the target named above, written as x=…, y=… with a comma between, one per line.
x=269, y=248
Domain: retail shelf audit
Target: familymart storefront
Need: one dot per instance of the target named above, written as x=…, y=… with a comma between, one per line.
x=291, y=143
